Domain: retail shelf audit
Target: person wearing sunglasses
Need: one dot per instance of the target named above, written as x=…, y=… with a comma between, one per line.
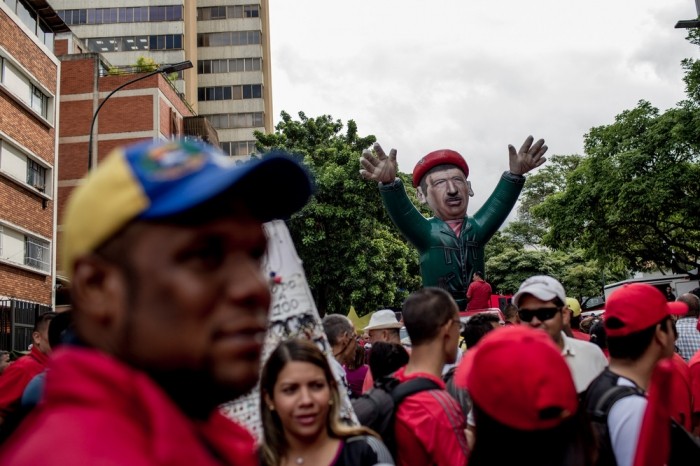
x=540, y=301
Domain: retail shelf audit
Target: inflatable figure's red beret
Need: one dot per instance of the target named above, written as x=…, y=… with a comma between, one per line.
x=435, y=158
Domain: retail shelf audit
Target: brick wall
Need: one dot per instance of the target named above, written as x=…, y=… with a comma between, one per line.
x=26, y=285
x=23, y=49
x=126, y=114
x=18, y=205
x=25, y=208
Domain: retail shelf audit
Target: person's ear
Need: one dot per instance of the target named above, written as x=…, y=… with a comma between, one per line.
x=421, y=197
x=566, y=315
x=100, y=289
x=268, y=401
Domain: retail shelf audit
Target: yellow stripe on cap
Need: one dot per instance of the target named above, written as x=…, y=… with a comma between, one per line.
x=108, y=200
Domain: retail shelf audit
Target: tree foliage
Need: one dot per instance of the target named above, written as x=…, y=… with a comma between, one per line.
x=509, y=263
x=634, y=198
x=352, y=254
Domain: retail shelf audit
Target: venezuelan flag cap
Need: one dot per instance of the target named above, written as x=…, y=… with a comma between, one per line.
x=158, y=179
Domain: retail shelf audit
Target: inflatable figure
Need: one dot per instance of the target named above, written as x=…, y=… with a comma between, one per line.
x=450, y=244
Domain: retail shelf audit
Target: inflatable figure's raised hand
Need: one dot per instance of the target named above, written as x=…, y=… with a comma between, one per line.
x=529, y=157
x=379, y=167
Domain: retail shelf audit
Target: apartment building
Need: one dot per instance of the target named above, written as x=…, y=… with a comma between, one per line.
x=228, y=41
x=149, y=108
x=29, y=77
x=125, y=30
x=233, y=68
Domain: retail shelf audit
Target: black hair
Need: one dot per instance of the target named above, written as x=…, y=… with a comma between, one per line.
x=632, y=346
x=425, y=311
x=571, y=443
x=478, y=326
x=43, y=321
x=598, y=334
x=386, y=358
x=479, y=274
x=57, y=328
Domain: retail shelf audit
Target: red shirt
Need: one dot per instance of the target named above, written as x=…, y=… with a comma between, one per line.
x=478, y=294
x=694, y=366
x=681, y=401
x=16, y=377
x=430, y=427
x=579, y=335
x=96, y=410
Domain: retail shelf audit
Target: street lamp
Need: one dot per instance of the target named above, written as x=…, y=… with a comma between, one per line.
x=161, y=69
x=690, y=23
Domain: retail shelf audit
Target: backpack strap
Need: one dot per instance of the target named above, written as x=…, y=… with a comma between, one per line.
x=410, y=387
x=611, y=396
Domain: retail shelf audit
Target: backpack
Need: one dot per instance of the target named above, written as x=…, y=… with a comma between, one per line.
x=685, y=448
x=377, y=408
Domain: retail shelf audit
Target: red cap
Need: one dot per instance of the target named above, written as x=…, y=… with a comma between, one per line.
x=435, y=158
x=638, y=306
x=516, y=375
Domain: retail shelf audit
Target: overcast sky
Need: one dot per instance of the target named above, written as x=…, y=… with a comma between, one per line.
x=476, y=75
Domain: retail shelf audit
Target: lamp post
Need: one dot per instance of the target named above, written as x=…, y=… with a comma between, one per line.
x=690, y=23
x=161, y=69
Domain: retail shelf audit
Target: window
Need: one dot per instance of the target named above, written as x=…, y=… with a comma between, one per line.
x=36, y=253
x=218, y=39
x=27, y=15
x=36, y=175
x=24, y=248
x=236, y=120
x=22, y=87
x=23, y=168
x=251, y=11
x=40, y=102
x=238, y=148
x=231, y=12
x=122, y=15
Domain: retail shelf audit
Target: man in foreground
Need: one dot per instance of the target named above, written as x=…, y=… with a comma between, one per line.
x=163, y=244
x=430, y=426
x=541, y=303
x=640, y=334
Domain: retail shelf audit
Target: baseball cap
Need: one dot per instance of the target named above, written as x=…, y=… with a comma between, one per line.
x=518, y=377
x=386, y=318
x=157, y=179
x=542, y=287
x=637, y=306
x=435, y=158
x=574, y=306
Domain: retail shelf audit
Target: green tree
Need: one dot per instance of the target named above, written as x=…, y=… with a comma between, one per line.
x=352, y=254
x=634, y=198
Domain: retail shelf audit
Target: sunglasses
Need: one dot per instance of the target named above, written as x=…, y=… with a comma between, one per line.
x=542, y=314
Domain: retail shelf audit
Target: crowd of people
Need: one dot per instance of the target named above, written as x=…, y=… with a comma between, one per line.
x=168, y=318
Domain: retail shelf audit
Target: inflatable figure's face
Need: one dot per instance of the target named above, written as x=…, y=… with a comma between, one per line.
x=446, y=192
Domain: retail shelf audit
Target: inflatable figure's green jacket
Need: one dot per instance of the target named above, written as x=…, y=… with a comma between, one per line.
x=447, y=261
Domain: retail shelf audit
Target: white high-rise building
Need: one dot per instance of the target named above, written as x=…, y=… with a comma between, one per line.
x=228, y=42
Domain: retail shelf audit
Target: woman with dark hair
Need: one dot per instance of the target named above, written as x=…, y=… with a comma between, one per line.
x=299, y=404
x=355, y=372
x=386, y=358
x=524, y=398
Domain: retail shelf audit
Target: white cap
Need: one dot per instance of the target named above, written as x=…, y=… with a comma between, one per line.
x=386, y=318
x=542, y=287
